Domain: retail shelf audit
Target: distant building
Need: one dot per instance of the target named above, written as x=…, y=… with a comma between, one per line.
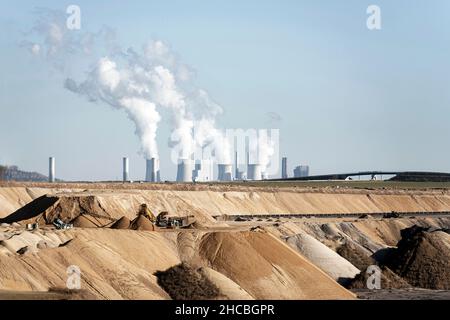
x=301, y=171
x=284, y=174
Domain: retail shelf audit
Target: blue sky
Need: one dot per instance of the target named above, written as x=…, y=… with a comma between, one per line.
x=348, y=98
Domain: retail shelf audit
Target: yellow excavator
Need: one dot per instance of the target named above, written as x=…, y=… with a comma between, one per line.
x=145, y=211
x=164, y=221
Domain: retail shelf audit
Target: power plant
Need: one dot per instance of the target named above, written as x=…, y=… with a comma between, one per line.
x=51, y=169
x=199, y=171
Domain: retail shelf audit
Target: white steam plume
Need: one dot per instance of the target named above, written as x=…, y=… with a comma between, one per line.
x=119, y=89
x=137, y=82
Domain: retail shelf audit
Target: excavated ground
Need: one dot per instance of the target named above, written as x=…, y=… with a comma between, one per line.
x=122, y=256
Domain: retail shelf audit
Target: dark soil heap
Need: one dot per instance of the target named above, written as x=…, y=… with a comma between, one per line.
x=48, y=208
x=184, y=282
x=389, y=280
x=357, y=257
x=422, y=258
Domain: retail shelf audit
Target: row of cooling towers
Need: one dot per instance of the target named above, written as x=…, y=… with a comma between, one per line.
x=187, y=171
x=198, y=171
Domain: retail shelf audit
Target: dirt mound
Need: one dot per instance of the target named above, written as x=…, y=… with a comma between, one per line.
x=355, y=255
x=359, y=258
x=329, y=261
x=142, y=223
x=115, y=264
x=267, y=268
x=47, y=208
x=389, y=280
x=422, y=257
x=32, y=210
x=184, y=282
x=122, y=223
x=69, y=208
x=83, y=222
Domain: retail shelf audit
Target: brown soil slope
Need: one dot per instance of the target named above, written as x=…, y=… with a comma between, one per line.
x=266, y=268
x=121, y=264
x=114, y=264
x=204, y=203
x=13, y=198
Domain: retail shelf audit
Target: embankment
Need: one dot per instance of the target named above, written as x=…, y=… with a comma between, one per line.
x=216, y=202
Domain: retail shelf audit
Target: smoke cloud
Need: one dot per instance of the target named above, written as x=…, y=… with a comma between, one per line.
x=144, y=83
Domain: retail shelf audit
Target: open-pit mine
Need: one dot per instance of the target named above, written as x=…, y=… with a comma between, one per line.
x=222, y=241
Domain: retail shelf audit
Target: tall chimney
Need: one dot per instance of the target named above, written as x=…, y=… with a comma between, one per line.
x=126, y=169
x=284, y=174
x=236, y=169
x=51, y=169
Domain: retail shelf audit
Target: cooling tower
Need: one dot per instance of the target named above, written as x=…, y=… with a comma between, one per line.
x=241, y=175
x=152, y=171
x=126, y=169
x=225, y=172
x=51, y=169
x=254, y=172
x=184, y=172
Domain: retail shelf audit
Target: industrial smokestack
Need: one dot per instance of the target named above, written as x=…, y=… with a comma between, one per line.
x=284, y=174
x=236, y=172
x=126, y=169
x=152, y=170
x=184, y=172
x=225, y=172
x=51, y=169
x=254, y=172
